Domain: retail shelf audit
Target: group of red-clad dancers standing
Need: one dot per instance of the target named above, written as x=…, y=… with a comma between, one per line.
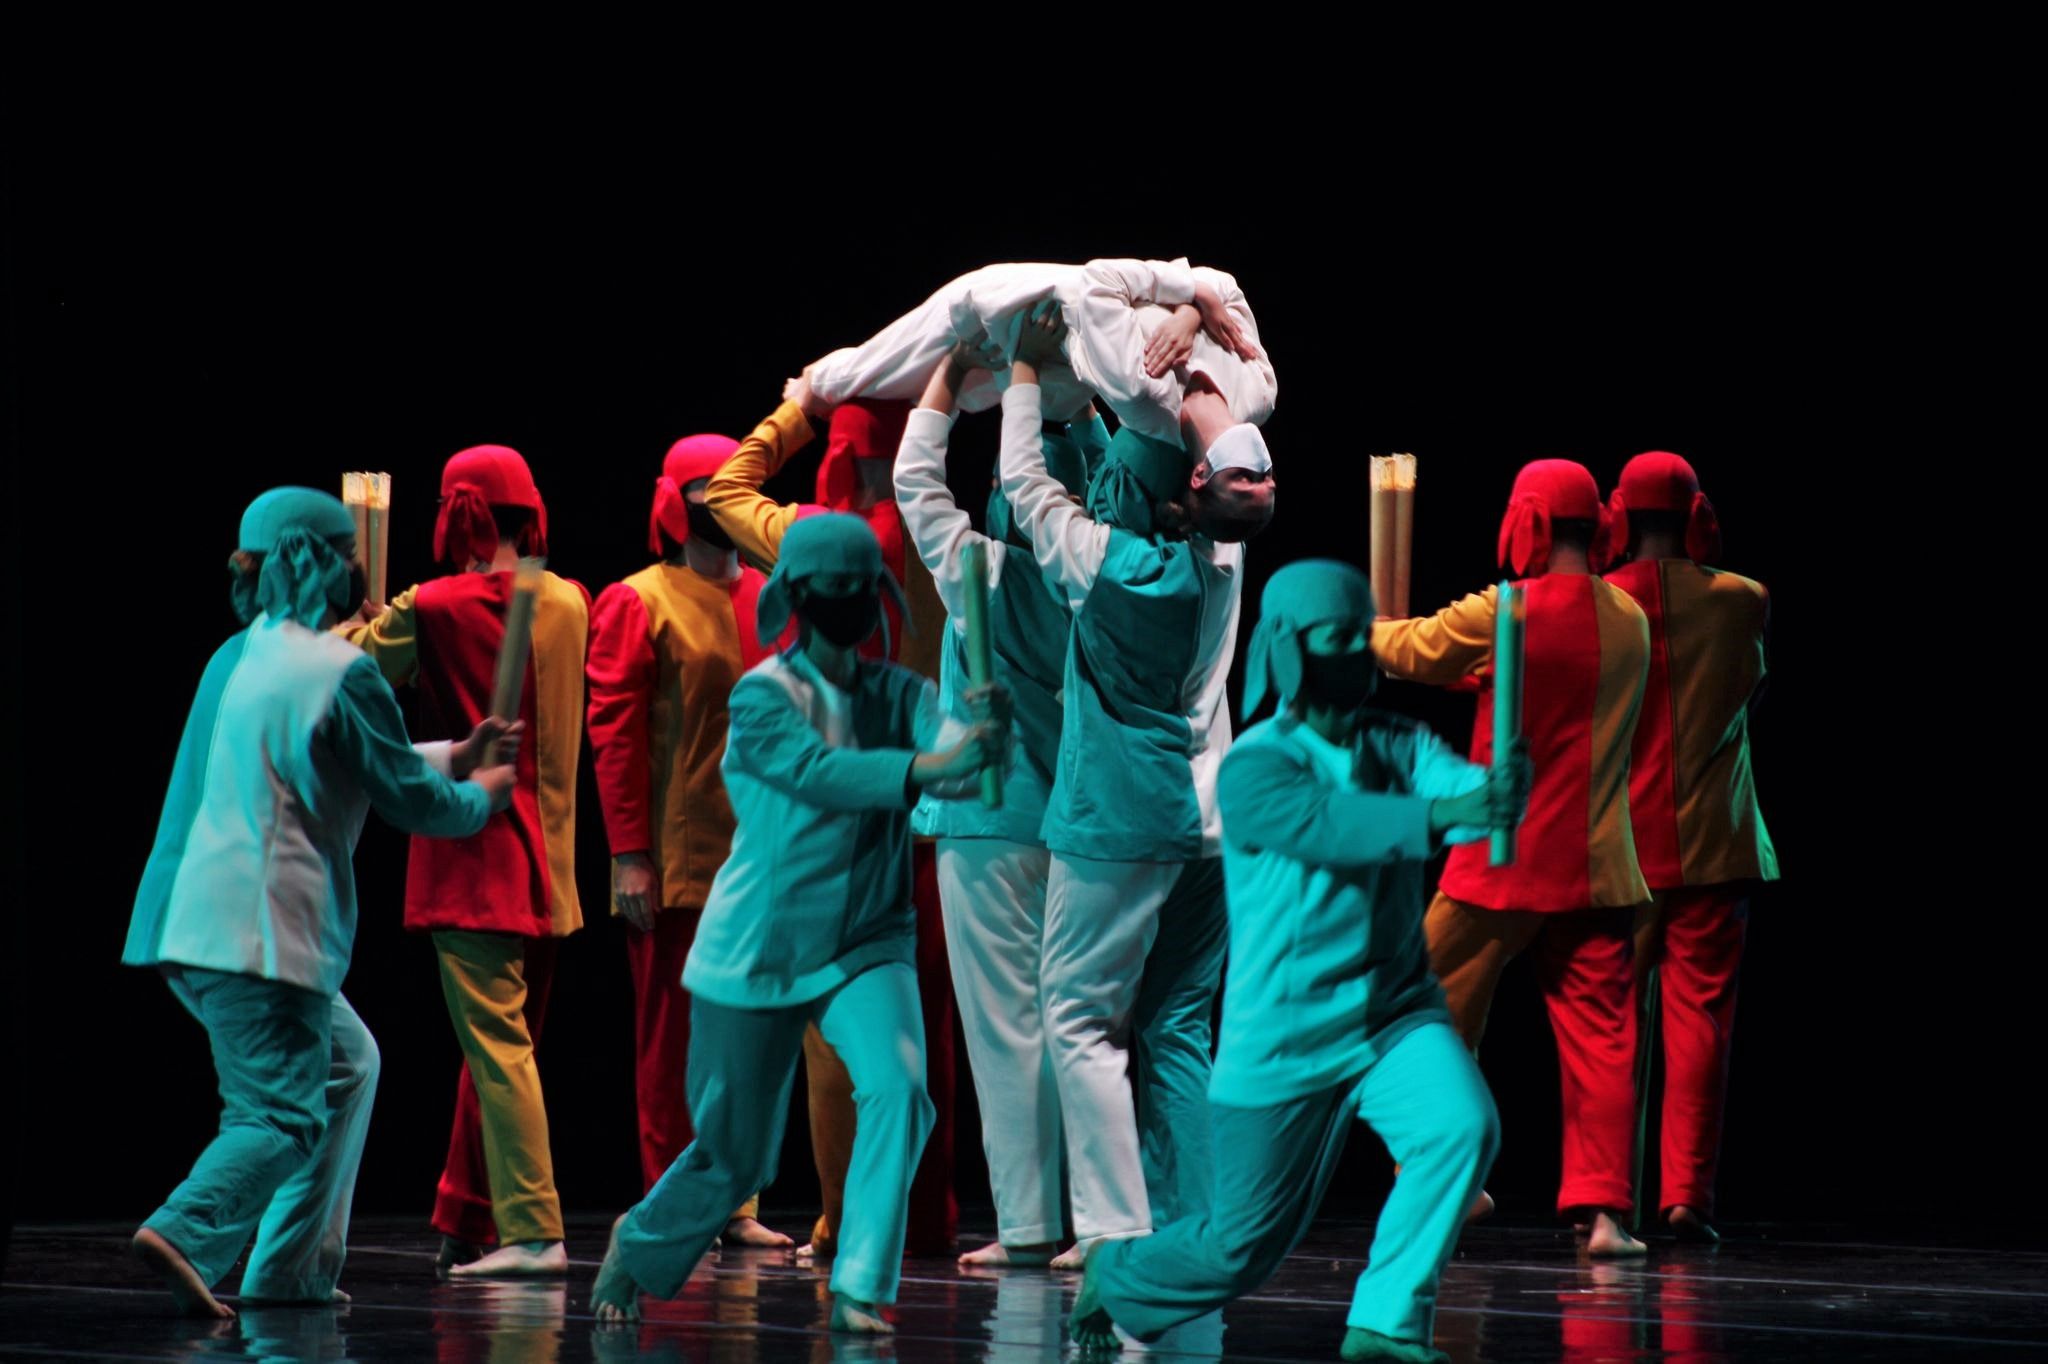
x=789, y=751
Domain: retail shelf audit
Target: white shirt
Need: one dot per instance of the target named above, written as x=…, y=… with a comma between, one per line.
x=1111, y=308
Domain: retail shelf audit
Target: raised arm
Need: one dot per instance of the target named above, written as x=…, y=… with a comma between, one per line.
x=1439, y=649
x=755, y=521
x=392, y=639
x=1069, y=544
x=937, y=525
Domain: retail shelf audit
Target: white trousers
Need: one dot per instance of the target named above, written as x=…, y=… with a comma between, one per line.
x=1133, y=955
x=992, y=893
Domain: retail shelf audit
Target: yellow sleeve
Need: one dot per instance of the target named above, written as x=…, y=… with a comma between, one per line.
x=1438, y=649
x=756, y=523
x=392, y=639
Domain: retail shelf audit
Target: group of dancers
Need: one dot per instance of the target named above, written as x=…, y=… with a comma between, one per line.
x=794, y=757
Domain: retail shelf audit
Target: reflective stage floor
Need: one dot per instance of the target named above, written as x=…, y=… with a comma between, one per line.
x=71, y=1292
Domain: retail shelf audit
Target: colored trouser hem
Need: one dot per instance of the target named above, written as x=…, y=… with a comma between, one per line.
x=1584, y=963
x=1425, y=1098
x=993, y=895
x=661, y=1041
x=298, y=1075
x=498, y=1182
x=1693, y=939
x=934, y=1209
x=742, y=1068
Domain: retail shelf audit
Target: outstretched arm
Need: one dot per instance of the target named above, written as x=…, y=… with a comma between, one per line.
x=1439, y=649
x=1069, y=544
x=937, y=525
x=755, y=521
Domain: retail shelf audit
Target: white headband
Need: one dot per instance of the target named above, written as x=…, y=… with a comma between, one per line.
x=1241, y=447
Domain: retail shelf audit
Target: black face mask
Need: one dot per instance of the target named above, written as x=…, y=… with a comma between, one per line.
x=358, y=591
x=846, y=621
x=704, y=526
x=1343, y=682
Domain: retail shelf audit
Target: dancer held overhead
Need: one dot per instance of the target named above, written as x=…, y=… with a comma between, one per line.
x=1140, y=335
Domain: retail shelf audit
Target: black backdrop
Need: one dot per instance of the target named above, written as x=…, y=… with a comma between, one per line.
x=189, y=328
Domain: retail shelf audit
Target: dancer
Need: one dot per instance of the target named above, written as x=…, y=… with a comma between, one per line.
x=247, y=906
x=810, y=920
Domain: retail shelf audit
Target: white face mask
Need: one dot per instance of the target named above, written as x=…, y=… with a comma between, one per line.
x=1241, y=447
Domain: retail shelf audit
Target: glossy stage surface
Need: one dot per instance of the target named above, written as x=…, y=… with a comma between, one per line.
x=1512, y=1294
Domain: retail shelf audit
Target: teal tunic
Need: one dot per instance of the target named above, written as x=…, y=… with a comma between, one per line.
x=293, y=736
x=1029, y=623
x=1145, y=719
x=1324, y=858
x=817, y=888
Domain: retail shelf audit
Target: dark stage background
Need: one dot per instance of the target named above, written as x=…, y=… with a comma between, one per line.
x=189, y=329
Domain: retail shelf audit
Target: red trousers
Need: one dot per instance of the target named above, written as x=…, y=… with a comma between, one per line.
x=1693, y=938
x=661, y=1041
x=1585, y=963
x=934, y=1212
x=462, y=1200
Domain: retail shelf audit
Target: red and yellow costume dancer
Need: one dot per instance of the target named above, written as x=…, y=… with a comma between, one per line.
x=1571, y=891
x=862, y=433
x=666, y=646
x=1692, y=800
x=496, y=902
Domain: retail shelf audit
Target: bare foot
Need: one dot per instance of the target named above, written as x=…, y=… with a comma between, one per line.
x=1361, y=1344
x=811, y=1253
x=1092, y=1330
x=1609, y=1240
x=614, y=1297
x=1482, y=1208
x=745, y=1231
x=1689, y=1226
x=1073, y=1258
x=996, y=1255
x=188, y=1290
x=859, y=1318
x=520, y=1260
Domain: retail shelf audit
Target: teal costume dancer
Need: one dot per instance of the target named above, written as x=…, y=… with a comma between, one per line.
x=809, y=919
x=247, y=905
x=1134, y=922
x=1330, y=1013
x=992, y=864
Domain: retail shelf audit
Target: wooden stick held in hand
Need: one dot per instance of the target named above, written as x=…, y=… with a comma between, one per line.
x=368, y=498
x=356, y=497
x=1383, y=546
x=509, y=686
x=378, y=567
x=1403, y=469
x=980, y=656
